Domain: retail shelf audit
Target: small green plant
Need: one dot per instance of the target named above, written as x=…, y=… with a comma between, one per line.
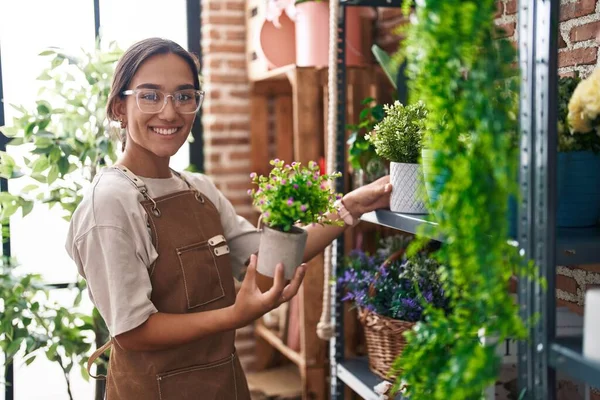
x=399, y=136
x=361, y=153
x=578, y=109
x=293, y=194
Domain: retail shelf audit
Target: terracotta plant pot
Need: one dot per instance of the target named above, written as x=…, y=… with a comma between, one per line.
x=279, y=247
x=406, y=192
x=312, y=35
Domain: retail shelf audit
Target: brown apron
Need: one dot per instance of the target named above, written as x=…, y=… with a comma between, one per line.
x=191, y=274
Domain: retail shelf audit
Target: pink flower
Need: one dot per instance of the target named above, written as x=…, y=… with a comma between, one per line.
x=269, y=187
x=290, y=201
x=249, y=192
x=253, y=175
x=303, y=207
x=294, y=164
x=283, y=181
x=309, y=183
x=295, y=186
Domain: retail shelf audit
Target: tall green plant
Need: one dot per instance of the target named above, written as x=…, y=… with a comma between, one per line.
x=465, y=75
x=64, y=135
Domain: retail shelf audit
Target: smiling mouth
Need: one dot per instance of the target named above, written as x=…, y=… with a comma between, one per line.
x=165, y=131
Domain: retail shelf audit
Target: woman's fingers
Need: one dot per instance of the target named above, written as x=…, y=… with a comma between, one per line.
x=292, y=288
x=274, y=293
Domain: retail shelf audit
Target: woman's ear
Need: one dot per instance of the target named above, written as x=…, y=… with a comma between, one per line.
x=119, y=110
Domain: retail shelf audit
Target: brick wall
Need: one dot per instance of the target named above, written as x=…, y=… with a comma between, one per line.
x=226, y=107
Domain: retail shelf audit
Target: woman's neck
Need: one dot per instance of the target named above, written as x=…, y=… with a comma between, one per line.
x=146, y=165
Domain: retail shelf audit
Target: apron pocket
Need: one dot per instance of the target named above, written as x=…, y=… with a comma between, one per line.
x=214, y=381
x=201, y=277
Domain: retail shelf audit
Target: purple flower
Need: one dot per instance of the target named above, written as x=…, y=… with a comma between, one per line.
x=338, y=196
x=294, y=164
x=283, y=181
x=290, y=201
x=262, y=202
x=309, y=183
x=253, y=175
x=276, y=160
x=269, y=187
x=267, y=214
x=250, y=191
x=316, y=176
x=295, y=186
x=287, y=165
x=303, y=207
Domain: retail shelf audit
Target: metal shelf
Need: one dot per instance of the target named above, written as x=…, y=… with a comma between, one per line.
x=578, y=246
x=371, y=3
x=409, y=223
x=566, y=355
x=356, y=374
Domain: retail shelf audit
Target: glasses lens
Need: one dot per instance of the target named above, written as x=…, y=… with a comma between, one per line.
x=187, y=101
x=150, y=101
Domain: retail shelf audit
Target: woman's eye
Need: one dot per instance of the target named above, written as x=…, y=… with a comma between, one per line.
x=183, y=97
x=149, y=96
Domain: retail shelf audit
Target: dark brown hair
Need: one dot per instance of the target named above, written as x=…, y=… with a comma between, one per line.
x=134, y=57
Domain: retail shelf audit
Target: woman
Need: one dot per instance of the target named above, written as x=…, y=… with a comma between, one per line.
x=160, y=249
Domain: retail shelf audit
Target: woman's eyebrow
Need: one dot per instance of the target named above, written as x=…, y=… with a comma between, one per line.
x=159, y=87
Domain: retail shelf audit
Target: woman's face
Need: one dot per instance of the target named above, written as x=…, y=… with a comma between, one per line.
x=160, y=134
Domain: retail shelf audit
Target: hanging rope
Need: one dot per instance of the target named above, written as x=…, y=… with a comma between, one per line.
x=324, y=327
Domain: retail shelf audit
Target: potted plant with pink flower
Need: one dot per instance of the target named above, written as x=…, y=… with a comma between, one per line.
x=289, y=197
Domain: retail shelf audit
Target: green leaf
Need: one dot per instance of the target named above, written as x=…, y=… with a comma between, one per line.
x=39, y=165
x=29, y=188
x=27, y=206
x=63, y=166
x=47, y=53
x=53, y=174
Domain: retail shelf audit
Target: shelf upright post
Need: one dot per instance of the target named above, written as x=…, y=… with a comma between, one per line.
x=538, y=34
x=336, y=350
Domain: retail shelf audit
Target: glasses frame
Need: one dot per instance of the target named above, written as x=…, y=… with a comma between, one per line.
x=134, y=92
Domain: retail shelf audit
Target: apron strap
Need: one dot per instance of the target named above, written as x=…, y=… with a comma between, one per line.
x=95, y=356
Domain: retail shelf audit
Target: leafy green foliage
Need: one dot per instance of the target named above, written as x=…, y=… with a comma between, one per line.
x=33, y=324
x=65, y=135
x=465, y=75
x=567, y=140
x=294, y=194
x=66, y=129
x=361, y=153
x=398, y=137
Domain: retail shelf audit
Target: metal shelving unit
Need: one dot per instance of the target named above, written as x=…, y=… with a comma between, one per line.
x=543, y=353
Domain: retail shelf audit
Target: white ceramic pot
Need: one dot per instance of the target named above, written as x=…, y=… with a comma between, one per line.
x=406, y=192
x=285, y=247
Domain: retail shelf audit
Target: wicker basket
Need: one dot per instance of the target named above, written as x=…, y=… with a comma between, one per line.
x=385, y=341
x=384, y=335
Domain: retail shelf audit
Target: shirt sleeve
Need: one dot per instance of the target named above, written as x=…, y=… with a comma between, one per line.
x=118, y=280
x=242, y=237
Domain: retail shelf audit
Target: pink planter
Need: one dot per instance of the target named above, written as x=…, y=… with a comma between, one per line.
x=312, y=35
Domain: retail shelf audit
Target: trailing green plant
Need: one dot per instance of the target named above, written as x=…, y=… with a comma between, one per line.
x=465, y=73
x=293, y=194
x=361, y=153
x=65, y=136
x=399, y=136
x=578, y=107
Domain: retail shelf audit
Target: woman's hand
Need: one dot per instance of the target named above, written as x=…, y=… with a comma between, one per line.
x=368, y=198
x=251, y=303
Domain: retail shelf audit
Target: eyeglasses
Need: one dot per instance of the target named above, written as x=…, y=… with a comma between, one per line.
x=152, y=101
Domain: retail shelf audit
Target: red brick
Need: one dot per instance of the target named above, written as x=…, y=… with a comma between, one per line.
x=222, y=126
x=215, y=63
x=221, y=20
x=240, y=94
x=235, y=35
x=561, y=42
x=239, y=155
x=499, y=9
x=214, y=34
x=583, y=56
x=243, y=186
x=573, y=307
x=225, y=48
x=228, y=109
x=230, y=78
x=222, y=170
x=213, y=94
x=585, y=32
x=215, y=157
x=214, y=5
x=590, y=267
x=578, y=9
x=507, y=30
x=229, y=141
x=566, y=283
x=237, y=64
x=511, y=7
x=390, y=13
x=235, y=5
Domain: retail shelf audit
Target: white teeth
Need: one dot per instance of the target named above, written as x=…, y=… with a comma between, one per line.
x=162, y=131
